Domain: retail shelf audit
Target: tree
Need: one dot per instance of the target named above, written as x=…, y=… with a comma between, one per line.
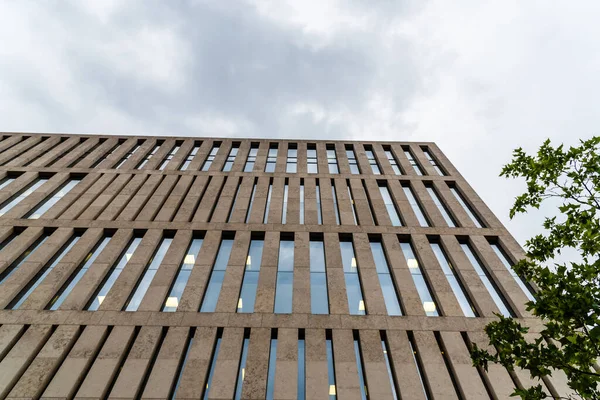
x=568, y=294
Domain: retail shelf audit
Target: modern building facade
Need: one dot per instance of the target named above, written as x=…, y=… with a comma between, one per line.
x=212, y=268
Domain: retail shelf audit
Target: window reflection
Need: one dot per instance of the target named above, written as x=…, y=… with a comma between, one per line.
x=183, y=275
x=356, y=303
x=429, y=304
x=319, y=301
x=250, y=281
x=211, y=296
x=285, y=278
x=390, y=295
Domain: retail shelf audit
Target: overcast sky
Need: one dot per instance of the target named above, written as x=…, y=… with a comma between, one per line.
x=478, y=78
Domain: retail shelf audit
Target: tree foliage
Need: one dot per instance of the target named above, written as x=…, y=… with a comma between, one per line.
x=568, y=294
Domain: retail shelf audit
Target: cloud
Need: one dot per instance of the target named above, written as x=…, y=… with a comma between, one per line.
x=478, y=79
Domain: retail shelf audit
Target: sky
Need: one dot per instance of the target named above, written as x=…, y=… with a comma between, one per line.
x=478, y=78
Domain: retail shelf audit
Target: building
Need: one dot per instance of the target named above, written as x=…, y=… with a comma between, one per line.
x=156, y=267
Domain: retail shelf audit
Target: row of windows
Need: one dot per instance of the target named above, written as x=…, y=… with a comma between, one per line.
x=286, y=273
x=390, y=201
x=217, y=362
x=78, y=145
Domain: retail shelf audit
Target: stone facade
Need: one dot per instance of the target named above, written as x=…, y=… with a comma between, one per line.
x=53, y=346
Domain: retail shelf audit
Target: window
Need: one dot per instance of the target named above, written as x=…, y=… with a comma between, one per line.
x=332, y=160
x=285, y=202
x=102, y=158
x=466, y=207
x=372, y=160
x=235, y=147
x=183, y=275
x=247, y=296
x=454, y=280
x=181, y=368
x=351, y=201
x=213, y=363
x=412, y=161
x=149, y=155
x=76, y=275
x=190, y=156
x=390, y=294
x=389, y=204
x=368, y=198
x=392, y=160
x=311, y=159
x=242, y=367
x=144, y=283
x=249, y=166
x=113, y=274
x=39, y=277
x=301, y=390
x=271, y=158
x=251, y=200
x=285, y=277
x=508, y=265
x=418, y=364
x=391, y=373
x=21, y=195
x=429, y=304
x=213, y=206
x=46, y=204
x=272, y=365
x=487, y=282
x=441, y=206
x=336, y=209
x=268, y=206
x=211, y=296
x=23, y=257
x=360, y=366
x=211, y=156
x=6, y=181
x=433, y=161
x=356, y=303
x=291, y=165
x=319, y=299
x=235, y=197
x=330, y=365
x=301, y=219
x=128, y=155
x=170, y=156
x=412, y=200
x=351, y=155
x=318, y=197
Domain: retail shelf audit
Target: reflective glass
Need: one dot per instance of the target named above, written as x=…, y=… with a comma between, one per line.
x=356, y=303
x=271, y=160
x=319, y=299
x=211, y=296
x=467, y=208
x=266, y=216
x=301, y=390
x=211, y=157
x=189, y=158
x=516, y=277
x=413, y=162
x=429, y=304
x=352, y=202
x=352, y=161
x=148, y=157
x=302, y=203
x=22, y=258
x=441, y=207
x=271, y=371
x=373, y=162
x=335, y=203
x=22, y=195
x=5, y=182
x=127, y=156
x=250, y=281
x=251, y=202
x=393, y=162
x=285, y=277
x=433, y=162
x=46, y=204
x=249, y=166
x=242, y=370
x=415, y=205
x=417, y=365
x=285, y=204
x=169, y=157
x=211, y=372
x=388, y=365
x=319, y=211
x=332, y=162
x=230, y=158
x=190, y=342
x=361, y=375
x=311, y=161
x=385, y=280
x=389, y=205
x=292, y=161
x=330, y=370
x=183, y=275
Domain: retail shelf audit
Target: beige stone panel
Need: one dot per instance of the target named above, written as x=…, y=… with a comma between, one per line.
x=195, y=372
x=112, y=159
x=224, y=202
x=375, y=368
x=238, y=214
x=363, y=211
x=286, y=371
x=173, y=201
x=139, y=200
x=384, y=164
x=21, y=182
x=22, y=147
x=452, y=205
x=310, y=202
x=96, y=153
x=9, y=335
x=84, y=149
x=368, y=275
x=433, y=214
x=120, y=201
x=208, y=202
x=146, y=146
x=157, y=199
x=381, y=215
x=16, y=248
x=38, y=196
x=346, y=370
x=403, y=362
x=434, y=367
x=192, y=198
x=257, y=364
x=223, y=380
x=317, y=384
x=29, y=156
x=104, y=197
x=276, y=204
x=234, y=274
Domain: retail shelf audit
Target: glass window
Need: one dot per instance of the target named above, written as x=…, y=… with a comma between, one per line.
x=251, y=200
x=211, y=296
x=392, y=160
x=76, y=275
x=249, y=166
x=336, y=209
x=318, y=197
x=508, y=265
x=22, y=258
x=231, y=157
x=235, y=198
x=429, y=304
x=149, y=156
x=311, y=159
x=330, y=366
x=213, y=363
x=433, y=162
x=487, y=282
x=285, y=278
x=113, y=274
x=466, y=207
x=127, y=156
x=99, y=160
x=351, y=156
x=301, y=390
x=6, y=181
x=443, y=210
x=454, y=280
x=319, y=299
x=389, y=204
x=39, y=210
x=302, y=201
x=268, y=206
x=412, y=200
x=247, y=296
x=183, y=275
x=181, y=368
x=190, y=156
x=169, y=156
x=144, y=283
x=211, y=156
x=272, y=365
x=391, y=373
x=332, y=160
x=21, y=195
x=271, y=158
x=292, y=159
x=285, y=203
x=372, y=161
x=359, y=366
x=413, y=162
x=352, y=202
x=390, y=294
x=417, y=361
x=35, y=282
x=356, y=303
x=242, y=368
x=368, y=198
